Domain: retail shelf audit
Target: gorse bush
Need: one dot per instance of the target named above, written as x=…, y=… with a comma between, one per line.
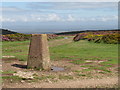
x=109, y=37
x=16, y=37
x=80, y=36
x=23, y=37
x=51, y=36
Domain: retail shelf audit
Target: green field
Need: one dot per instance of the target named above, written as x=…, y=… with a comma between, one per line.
x=90, y=57
x=76, y=51
x=84, y=50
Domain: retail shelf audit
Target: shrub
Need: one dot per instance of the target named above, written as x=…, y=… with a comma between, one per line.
x=109, y=37
x=80, y=36
x=52, y=36
x=23, y=37
x=16, y=37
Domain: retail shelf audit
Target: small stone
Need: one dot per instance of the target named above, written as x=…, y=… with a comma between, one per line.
x=11, y=80
x=88, y=61
x=8, y=56
x=49, y=81
x=71, y=73
x=24, y=75
x=22, y=81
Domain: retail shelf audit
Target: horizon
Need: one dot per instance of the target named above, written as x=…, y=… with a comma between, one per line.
x=56, y=32
x=58, y=16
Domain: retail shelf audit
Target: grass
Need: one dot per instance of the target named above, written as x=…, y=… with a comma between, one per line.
x=59, y=37
x=44, y=77
x=76, y=52
x=78, y=61
x=65, y=77
x=8, y=72
x=81, y=74
x=86, y=70
x=66, y=49
x=14, y=78
x=97, y=67
x=77, y=71
x=19, y=49
x=84, y=50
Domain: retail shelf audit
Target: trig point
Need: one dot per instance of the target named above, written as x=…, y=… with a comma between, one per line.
x=38, y=57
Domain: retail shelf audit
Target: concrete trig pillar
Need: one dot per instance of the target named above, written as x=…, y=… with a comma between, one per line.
x=39, y=57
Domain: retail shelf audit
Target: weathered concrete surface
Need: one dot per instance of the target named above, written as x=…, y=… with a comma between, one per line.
x=39, y=52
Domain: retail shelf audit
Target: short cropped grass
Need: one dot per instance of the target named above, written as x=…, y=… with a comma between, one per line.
x=8, y=72
x=19, y=49
x=76, y=52
x=83, y=50
x=14, y=78
x=44, y=77
x=65, y=77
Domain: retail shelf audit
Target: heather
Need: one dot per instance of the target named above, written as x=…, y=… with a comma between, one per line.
x=108, y=37
x=24, y=37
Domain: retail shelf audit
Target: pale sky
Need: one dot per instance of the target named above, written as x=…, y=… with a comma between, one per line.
x=58, y=16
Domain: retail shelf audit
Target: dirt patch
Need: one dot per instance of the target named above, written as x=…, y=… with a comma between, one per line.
x=7, y=74
x=71, y=77
x=86, y=83
x=9, y=59
x=95, y=61
x=8, y=64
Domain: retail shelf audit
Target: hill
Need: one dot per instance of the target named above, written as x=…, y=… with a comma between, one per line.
x=5, y=31
x=76, y=32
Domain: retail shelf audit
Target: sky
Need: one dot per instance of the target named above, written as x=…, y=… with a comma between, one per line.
x=58, y=16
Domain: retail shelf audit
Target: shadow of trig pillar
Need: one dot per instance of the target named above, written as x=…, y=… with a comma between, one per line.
x=39, y=57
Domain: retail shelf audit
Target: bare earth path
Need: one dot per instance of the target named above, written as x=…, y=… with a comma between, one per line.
x=110, y=81
x=84, y=83
x=60, y=42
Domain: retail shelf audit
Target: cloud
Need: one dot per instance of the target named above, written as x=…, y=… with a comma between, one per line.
x=33, y=18
x=104, y=19
x=7, y=20
x=61, y=1
x=70, y=18
x=11, y=9
x=46, y=17
x=56, y=18
x=24, y=19
x=53, y=17
x=110, y=18
x=72, y=5
x=93, y=19
x=47, y=11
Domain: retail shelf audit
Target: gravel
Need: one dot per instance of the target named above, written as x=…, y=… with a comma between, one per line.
x=24, y=75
